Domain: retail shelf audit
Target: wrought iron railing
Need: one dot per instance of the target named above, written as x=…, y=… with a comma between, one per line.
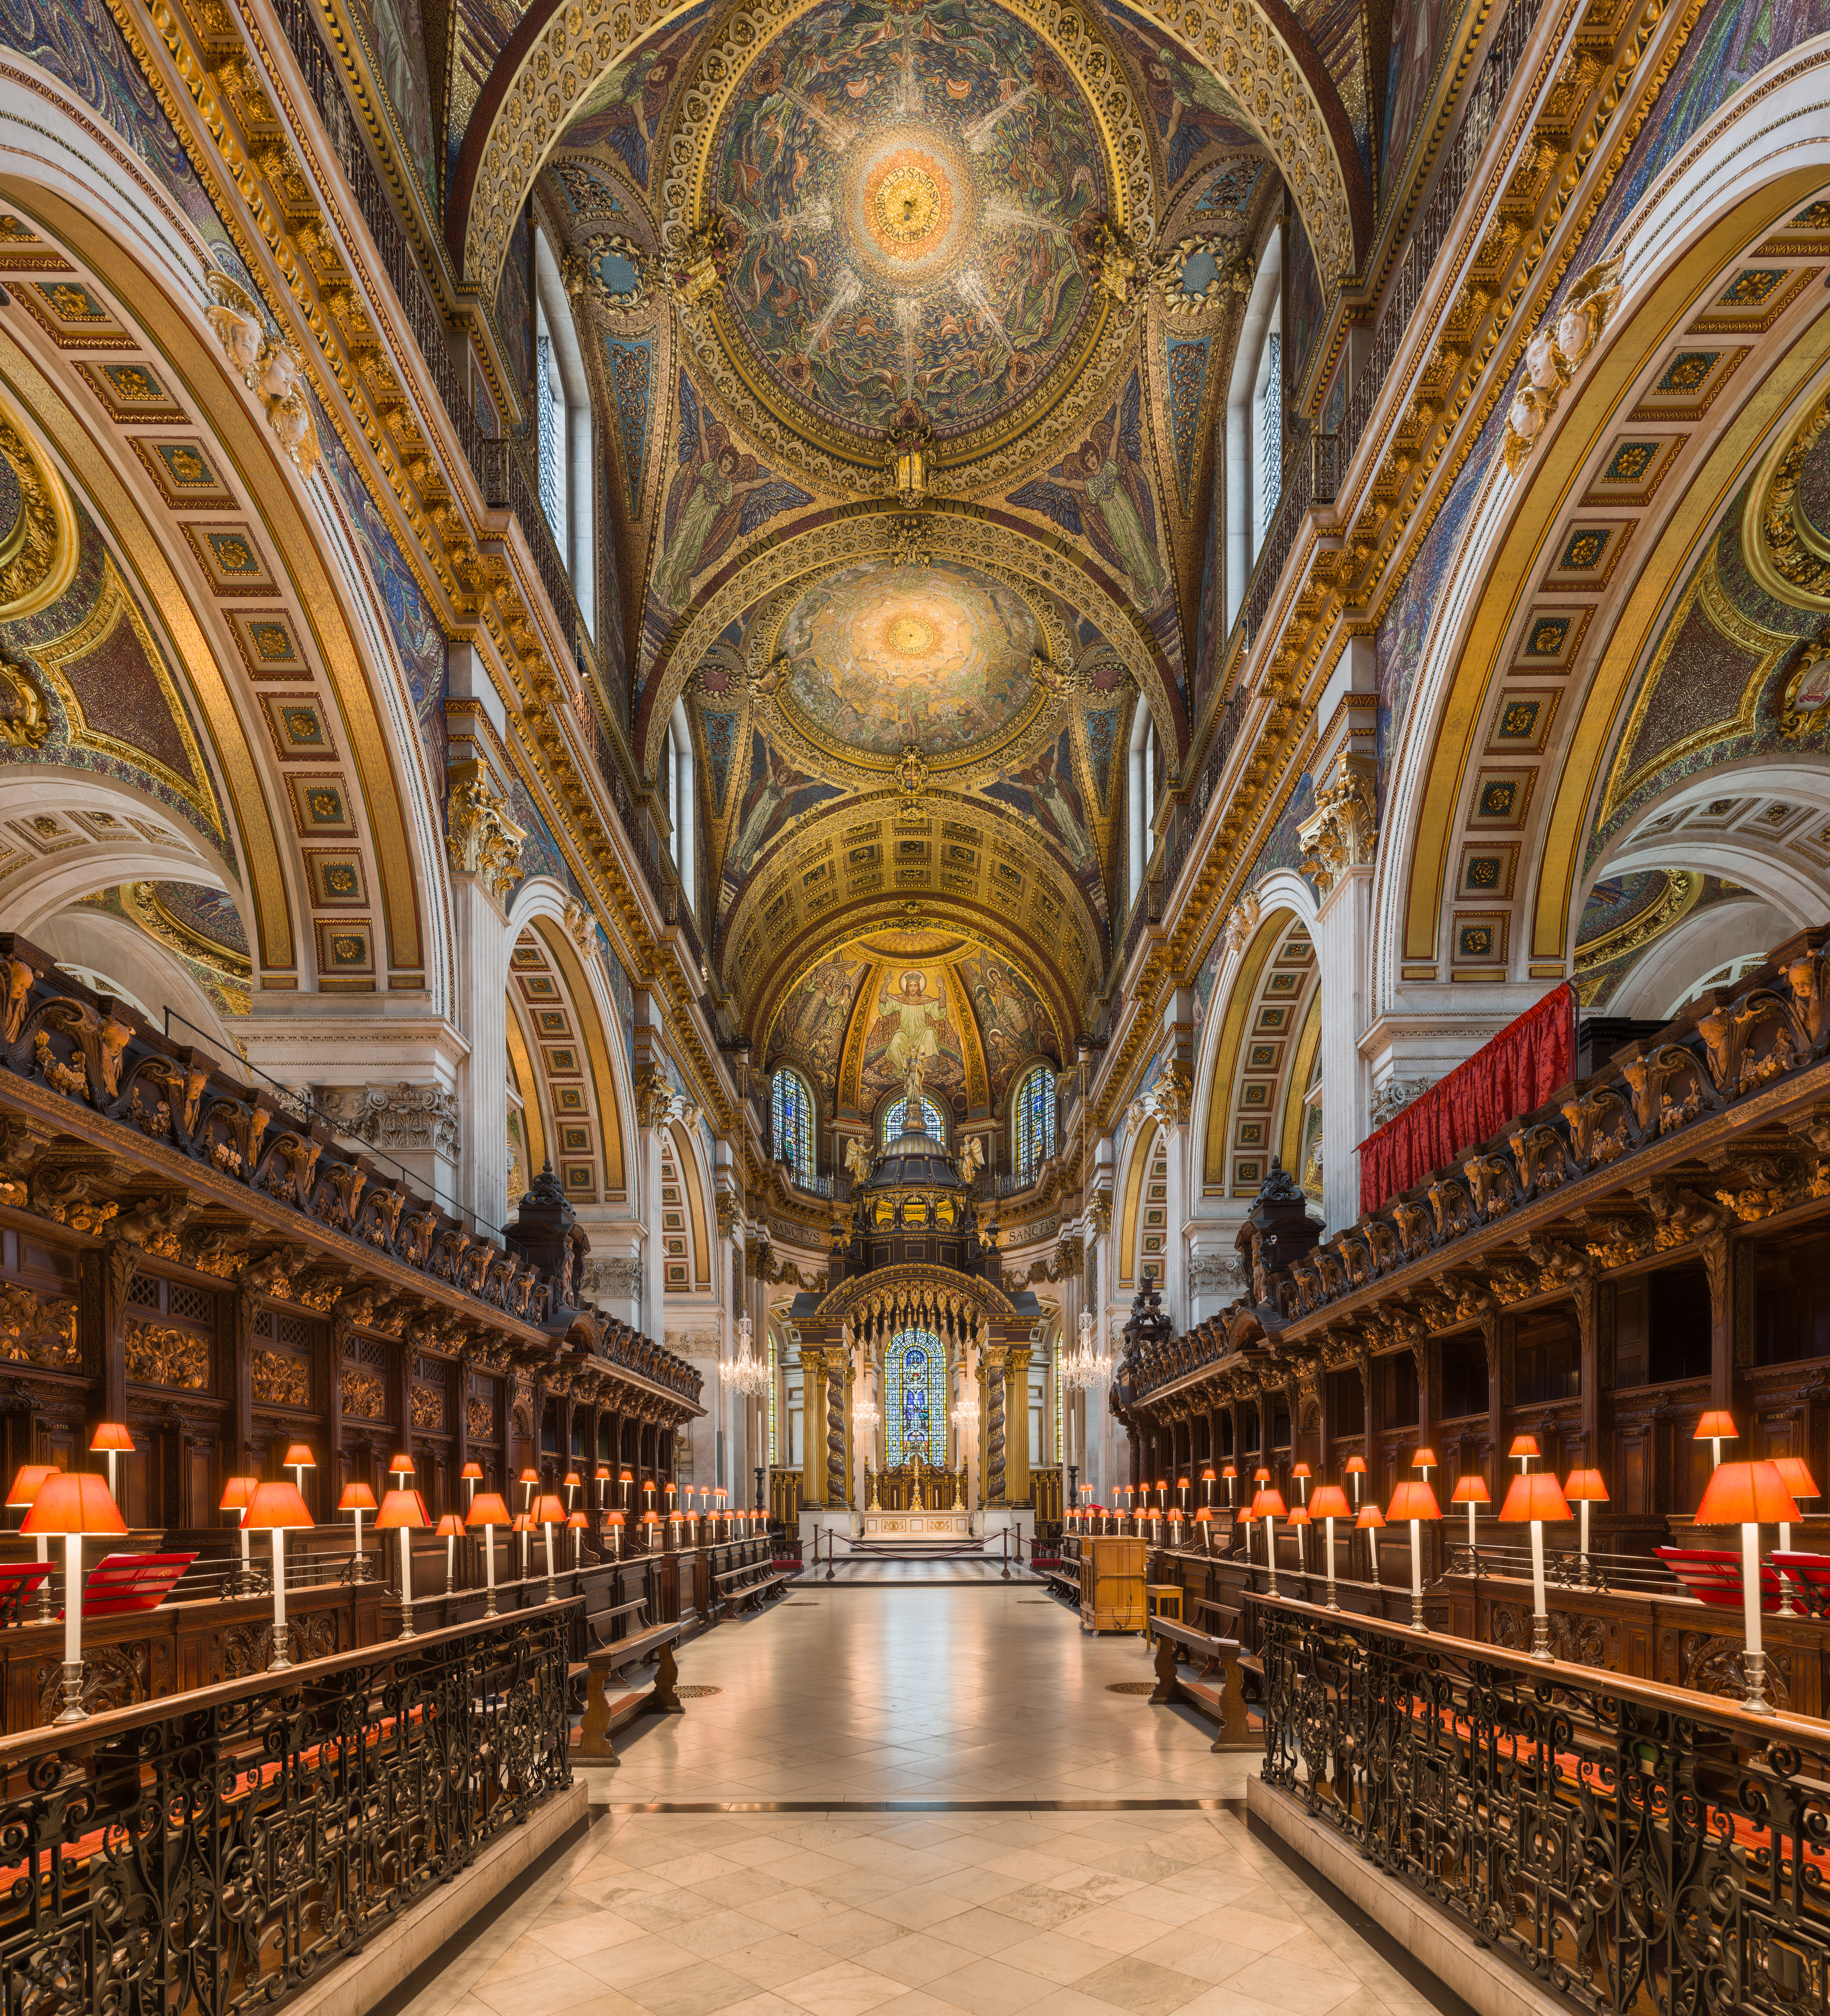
x=1629, y=1847
x=213, y=1851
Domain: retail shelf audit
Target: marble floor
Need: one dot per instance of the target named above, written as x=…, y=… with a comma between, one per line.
x=927, y=1798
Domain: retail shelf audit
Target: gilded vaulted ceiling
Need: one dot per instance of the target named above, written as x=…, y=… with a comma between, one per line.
x=909, y=324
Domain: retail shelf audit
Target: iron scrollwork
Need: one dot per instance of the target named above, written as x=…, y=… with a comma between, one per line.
x=1629, y=1848
x=217, y=1855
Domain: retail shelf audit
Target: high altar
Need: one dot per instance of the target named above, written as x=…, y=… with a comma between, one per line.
x=915, y=1502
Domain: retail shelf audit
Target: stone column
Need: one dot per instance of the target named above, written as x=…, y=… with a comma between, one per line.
x=1339, y=839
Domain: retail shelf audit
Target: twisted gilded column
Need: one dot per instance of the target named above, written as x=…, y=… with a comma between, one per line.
x=1016, y=1413
x=836, y=1493
x=994, y=1359
x=813, y=1463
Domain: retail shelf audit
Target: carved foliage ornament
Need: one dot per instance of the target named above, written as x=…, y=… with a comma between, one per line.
x=1787, y=552
x=581, y=271
x=484, y=841
x=1553, y=354
x=1342, y=831
x=272, y=370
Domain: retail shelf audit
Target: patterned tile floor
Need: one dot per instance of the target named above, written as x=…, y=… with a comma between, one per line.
x=961, y=1699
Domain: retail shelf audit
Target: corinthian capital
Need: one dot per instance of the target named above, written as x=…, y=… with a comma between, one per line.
x=1342, y=831
x=484, y=841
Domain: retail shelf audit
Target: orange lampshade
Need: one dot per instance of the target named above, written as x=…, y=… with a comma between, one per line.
x=549, y=1510
x=1261, y=1476
x=356, y=1498
x=571, y=1481
x=1536, y=1495
x=1739, y=1494
x=603, y=1474
x=473, y=1471
x=1522, y=1445
x=618, y=1519
x=1205, y=1512
x=1229, y=1471
x=400, y=1508
x=400, y=1465
x=651, y=1519
x=1269, y=1505
x=1370, y=1517
x=628, y=1477
x=1356, y=1466
x=528, y=1476
x=1717, y=1426
x=578, y=1519
x=450, y=1527
x=523, y=1522
x=1207, y=1476
x=1414, y=1501
x=236, y=1493
x=1181, y=1483
x=1424, y=1459
x=112, y=1435
x=1300, y=1515
x=1585, y=1486
x=73, y=1501
x=1797, y=1474
x=298, y=1456
x=1330, y=1502
x=1470, y=1491
x=486, y=1508
x=276, y=1508
x=30, y=1475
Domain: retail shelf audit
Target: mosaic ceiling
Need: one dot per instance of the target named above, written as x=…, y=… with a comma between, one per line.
x=935, y=658
x=907, y=186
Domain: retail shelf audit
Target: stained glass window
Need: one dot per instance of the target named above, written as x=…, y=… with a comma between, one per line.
x=931, y=1119
x=791, y=1114
x=914, y=1370
x=1032, y=1123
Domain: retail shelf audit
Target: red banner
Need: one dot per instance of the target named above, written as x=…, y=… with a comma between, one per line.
x=1516, y=1072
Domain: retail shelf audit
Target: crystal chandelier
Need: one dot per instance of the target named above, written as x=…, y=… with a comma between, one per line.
x=966, y=1415
x=1085, y=1367
x=746, y=1373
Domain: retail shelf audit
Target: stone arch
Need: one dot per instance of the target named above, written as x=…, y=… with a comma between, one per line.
x=1763, y=157
x=590, y=1064
x=557, y=52
x=118, y=232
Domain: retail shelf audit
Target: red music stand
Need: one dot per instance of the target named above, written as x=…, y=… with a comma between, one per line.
x=1713, y=1576
x=131, y=1581
x=18, y=1580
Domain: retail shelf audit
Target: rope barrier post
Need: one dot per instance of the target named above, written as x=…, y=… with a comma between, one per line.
x=1006, y=1576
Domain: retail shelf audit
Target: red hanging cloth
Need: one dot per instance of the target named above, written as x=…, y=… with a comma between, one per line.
x=1515, y=1071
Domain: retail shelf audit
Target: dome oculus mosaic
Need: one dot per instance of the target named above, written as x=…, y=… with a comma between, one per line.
x=937, y=656
x=909, y=188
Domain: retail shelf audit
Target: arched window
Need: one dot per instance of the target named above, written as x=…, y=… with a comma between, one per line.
x=915, y=1370
x=1032, y=1123
x=931, y=1119
x=791, y=1116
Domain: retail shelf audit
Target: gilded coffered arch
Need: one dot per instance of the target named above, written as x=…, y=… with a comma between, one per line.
x=967, y=872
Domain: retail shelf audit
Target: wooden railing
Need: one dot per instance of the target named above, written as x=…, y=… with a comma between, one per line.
x=1045, y=1493
x=785, y=1498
